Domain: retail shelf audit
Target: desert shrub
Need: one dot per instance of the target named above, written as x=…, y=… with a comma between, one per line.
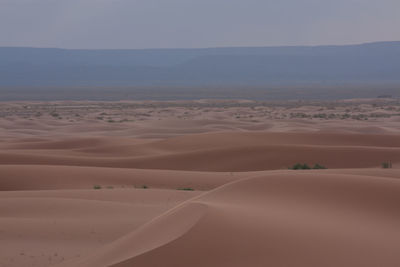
x=145, y=187
x=320, y=115
x=97, y=187
x=387, y=165
x=299, y=166
x=317, y=166
x=186, y=189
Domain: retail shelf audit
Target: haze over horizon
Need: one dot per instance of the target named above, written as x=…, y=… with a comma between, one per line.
x=123, y=24
x=209, y=47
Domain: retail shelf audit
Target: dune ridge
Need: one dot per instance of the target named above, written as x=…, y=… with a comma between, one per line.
x=204, y=184
x=350, y=220
x=237, y=152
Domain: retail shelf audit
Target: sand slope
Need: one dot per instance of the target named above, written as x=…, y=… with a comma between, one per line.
x=227, y=151
x=41, y=228
x=98, y=200
x=281, y=219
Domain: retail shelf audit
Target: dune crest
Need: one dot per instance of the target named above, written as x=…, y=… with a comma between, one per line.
x=311, y=219
x=200, y=183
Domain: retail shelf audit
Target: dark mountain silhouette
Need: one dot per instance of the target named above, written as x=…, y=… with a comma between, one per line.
x=373, y=62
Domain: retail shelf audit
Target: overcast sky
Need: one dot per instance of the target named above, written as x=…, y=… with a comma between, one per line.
x=195, y=23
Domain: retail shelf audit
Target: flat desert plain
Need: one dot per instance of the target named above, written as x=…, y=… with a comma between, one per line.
x=200, y=183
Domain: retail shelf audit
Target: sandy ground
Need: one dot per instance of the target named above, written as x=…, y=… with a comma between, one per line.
x=199, y=183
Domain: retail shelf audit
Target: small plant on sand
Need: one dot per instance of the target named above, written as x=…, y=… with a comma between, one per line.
x=144, y=187
x=97, y=187
x=387, y=165
x=317, y=166
x=186, y=189
x=299, y=166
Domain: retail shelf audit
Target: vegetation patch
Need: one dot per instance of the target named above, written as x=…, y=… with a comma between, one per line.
x=318, y=167
x=299, y=166
x=186, y=189
x=387, y=165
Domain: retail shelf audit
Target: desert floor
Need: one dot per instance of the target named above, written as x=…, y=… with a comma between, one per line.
x=200, y=183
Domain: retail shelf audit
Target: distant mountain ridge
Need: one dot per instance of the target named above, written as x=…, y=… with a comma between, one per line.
x=371, y=62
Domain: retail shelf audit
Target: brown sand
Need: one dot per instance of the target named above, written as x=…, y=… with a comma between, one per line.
x=81, y=191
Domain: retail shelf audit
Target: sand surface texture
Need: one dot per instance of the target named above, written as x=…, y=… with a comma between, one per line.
x=199, y=183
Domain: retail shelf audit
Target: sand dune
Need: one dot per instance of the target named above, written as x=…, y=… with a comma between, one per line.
x=221, y=152
x=37, y=177
x=198, y=184
x=43, y=228
x=282, y=219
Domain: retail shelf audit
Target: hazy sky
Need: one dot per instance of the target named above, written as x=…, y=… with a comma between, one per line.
x=195, y=23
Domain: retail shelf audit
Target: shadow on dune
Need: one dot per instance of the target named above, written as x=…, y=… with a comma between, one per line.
x=287, y=219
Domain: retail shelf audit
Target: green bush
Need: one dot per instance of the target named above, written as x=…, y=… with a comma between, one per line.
x=318, y=167
x=299, y=166
x=387, y=165
x=97, y=187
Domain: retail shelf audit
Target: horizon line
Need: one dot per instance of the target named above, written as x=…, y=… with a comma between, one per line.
x=201, y=48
